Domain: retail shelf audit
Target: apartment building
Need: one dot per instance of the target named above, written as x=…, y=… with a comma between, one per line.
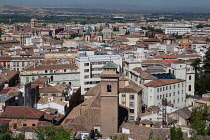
x=91, y=67
x=58, y=73
x=171, y=89
x=178, y=29
x=18, y=63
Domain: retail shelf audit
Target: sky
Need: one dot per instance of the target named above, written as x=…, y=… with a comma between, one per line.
x=112, y=4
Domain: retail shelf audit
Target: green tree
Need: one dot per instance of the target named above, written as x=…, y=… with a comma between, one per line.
x=52, y=133
x=176, y=133
x=199, y=120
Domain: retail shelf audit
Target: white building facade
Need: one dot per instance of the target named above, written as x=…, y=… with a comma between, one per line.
x=91, y=67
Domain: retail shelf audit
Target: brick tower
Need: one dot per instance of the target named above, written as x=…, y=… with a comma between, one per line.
x=109, y=99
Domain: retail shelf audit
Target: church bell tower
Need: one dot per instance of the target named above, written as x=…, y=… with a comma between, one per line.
x=109, y=99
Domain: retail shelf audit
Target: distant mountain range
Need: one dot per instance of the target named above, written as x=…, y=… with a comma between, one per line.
x=107, y=9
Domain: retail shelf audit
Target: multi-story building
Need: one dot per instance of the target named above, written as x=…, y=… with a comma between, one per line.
x=171, y=89
x=91, y=67
x=58, y=73
x=180, y=30
x=18, y=63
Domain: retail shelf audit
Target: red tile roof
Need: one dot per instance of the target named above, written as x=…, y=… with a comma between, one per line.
x=168, y=61
x=205, y=99
x=22, y=111
x=5, y=91
x=172, y=56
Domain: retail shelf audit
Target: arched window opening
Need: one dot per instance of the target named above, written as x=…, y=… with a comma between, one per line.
x=190, y=77
x=109, y=88
x=189, y=88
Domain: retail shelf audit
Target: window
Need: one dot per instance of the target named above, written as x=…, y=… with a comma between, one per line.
x=189, y=88
x=27, y=79
x=174, y=86
x=131, y=97
x=174, y=93
x=158, y=90
x=182, y=84
x=109, y=88
x=163, y=88
x=131, y=110
x=190, y=77
x=178, y=92
x=51, y=78
x=178, y=85
x=163, y=96
x=51, y=71
x=158, y=97
x=86, y=70
x=86, y=76
x=178, y=99
x=64, y=70
x=45, y=71
x=53, y=94
x=174, y=101
x=24, y=124
x=182, y=99
x=131, y=117
x=33, y=124
x=33, y=78
x=23, y=64
x=131, y=104
x=169, y=94
x=86, y=64
x=166, y=94
x=182, y=92
x=169, y=87
x=166, y=87
x=123, y=95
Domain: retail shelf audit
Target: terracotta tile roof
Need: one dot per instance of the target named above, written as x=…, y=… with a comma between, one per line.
x=131, y=88
x=41, y=80
x=55, y=100
x=146, y=75
x=137, y=69
x=7, y=75
x=152, y=61
x=22, y=111
x=205, y=99
x=49, y=90
x=161, y=82
x=5, y=91
x=162, y=133
x=188, y=56
x=184, y=113
x=153, y=52
x=168, y=61
x=52, y=67
x=94, y=90
x=137, y=132
x=171, y=56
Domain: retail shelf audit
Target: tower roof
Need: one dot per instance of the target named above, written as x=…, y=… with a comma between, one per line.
x=110, y=65
x=87, y=32
x=100, y=34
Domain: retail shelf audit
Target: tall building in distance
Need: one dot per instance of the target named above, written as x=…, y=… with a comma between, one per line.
x=91, y=66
